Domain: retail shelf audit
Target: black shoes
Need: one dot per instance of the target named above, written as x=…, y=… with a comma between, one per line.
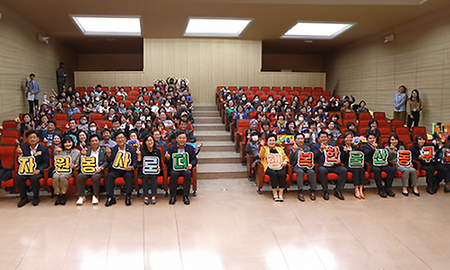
x=447, y=188
x=58, y=199
x=110, y=201
x=127, y=201
x=406, y=194
x=312, y=196
x=153, y=201
x=172, y=200
x=389, y=192
x=416, y=193
x=326, y=196
x=339, y=195
x=301, y=197
x=22, y=202
x=63, y=199
x=382, y=193
x=146, y=201
x=430, y=189
x=35, y=201
x=186, y=200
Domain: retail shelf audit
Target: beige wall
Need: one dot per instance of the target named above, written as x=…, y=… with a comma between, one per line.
x=294, y=62
x=20, y=55
x=207, y=63
x=110, y=62
x=419, y=58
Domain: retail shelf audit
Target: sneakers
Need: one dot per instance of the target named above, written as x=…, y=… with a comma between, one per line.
x=81, y=200
x=94, y=200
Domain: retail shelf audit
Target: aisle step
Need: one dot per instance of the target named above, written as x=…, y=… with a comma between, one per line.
x=217, y=146
x=207, y=120
x=206, y=127
x=215, y=135
x=205, y=108
x=205, y=114
x=221, y=170
x=214, y=157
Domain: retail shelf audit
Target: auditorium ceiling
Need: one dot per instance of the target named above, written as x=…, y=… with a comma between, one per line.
x=271, y=18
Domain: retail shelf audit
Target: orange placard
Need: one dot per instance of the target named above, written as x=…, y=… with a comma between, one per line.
x=274, y=161
x=332, y=155
x=428, y=153
x=446, y=156
x=404, y=158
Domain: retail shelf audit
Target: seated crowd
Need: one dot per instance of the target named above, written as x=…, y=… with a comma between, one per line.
x=322, y=149
x=157, y=128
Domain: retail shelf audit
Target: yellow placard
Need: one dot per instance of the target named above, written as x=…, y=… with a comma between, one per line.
x=88, y=165
x=122, y=160
x=62, y=164
x=27, y=165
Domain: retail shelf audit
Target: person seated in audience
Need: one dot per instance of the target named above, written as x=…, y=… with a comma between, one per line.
x=434, y=174
x=142, y=102
x=162, y=129
x=238, y=115
x=324, y=167
x=274, y=167
x=47, y=135
x=183, y=108
x=183, y=128
x=93, y=129
x=100, y=165
x=187, y=96
x=112, y=102
x=334, y=131
x=333, y=105
x=52, y=102
x=134, y=139
x=72, y=109
x=184, y=116
x=265, y=129
x=358, y=173
x=180, y=147
x=97, y=91
x=84, y=125
x=280, y=122
x=373, y=127
x=136, y=109
x=130, y=114
x=122, y=92
x=157, y=136
x=122, y=108
x=122, y=160
x=107, y=141
x=289, y=114
x=369, y=150
x=442, y=164
x=111, y=114
x=5, y=174
x=313, y=131
x=82, y=140
x=407, y=172
x=43, y=122
x=72, y=128
x=248, y=107
x=362, y=107
x=158, y=97
x=229, y=109
x=115, y=128
x=139, y=127
x=294, y=153
x=60, y=179
x=102, y=107
x=27, y=124
x=301, y=122
x=41, y=155
x=346, y=107
x=252, y=147
x=238, y=95
x=149, y=149
x=168, y=108
x=291, y=128
x=351, y=126
x=89, y=108
x=56, y=142
x=125, y=123
x=167, y=123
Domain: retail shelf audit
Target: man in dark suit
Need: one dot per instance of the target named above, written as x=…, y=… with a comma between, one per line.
x=182, y=166
x=31, y=169
x=319, y=149
x=123, y=161
x=140, y=129
x=101, y=164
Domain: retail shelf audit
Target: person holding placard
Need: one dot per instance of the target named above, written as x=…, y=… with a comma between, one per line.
x=66, y=160
x=302, y=162
x=123, y=162
x=377, y=157
x=353, y=159
x=274, y=161
x=93, y=164
x=150, y=157
x=426, y=156
x=327, y=158
x=403, y=160
x=33, y=159
x=180, y=158
x=443, y=160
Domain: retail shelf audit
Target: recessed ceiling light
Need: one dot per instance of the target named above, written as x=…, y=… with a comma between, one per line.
x=209, y=27
x=108, y=25
x=317, y=30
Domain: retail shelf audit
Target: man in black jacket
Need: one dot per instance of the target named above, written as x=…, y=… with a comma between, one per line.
x=123, y=161
x=181, y=159
x=33, y=159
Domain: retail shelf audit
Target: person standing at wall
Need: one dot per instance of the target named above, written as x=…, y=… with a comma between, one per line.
x=33, y=89
x=60, y=77
x=414, y=107
x=400, y=104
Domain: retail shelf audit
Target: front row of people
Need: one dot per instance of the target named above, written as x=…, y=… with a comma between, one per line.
x=121, y=161
x=347, y=160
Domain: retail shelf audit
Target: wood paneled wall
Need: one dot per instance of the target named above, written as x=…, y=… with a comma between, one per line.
x=207, y=63
x=20, y=55
x=110, y=62
x=294, y=62
x=418, y=58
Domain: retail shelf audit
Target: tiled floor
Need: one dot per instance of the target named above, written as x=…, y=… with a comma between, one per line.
x=230, y=229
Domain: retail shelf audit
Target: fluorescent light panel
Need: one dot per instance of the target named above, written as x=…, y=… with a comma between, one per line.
x=317, y=30
x=108, y=25
x=216, y=27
